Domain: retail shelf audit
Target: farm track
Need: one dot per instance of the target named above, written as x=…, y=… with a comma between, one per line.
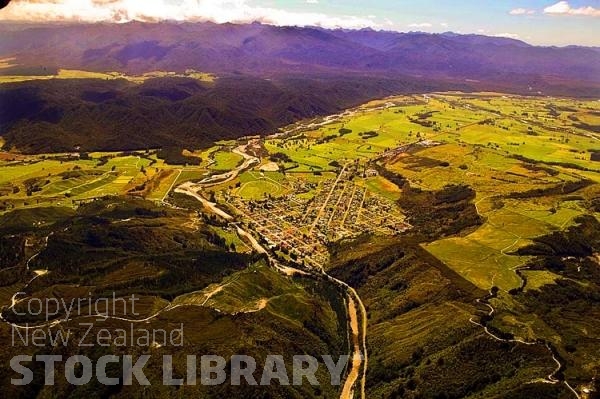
x=556, y=377
x=553, y=378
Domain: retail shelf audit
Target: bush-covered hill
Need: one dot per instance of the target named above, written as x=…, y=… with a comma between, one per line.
x=182, y=273
x=93, y=115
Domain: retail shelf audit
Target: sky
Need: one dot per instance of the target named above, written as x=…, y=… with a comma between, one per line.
x=542, y=22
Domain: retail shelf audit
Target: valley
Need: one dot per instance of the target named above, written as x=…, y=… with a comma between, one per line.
x=277, y=199
x=395, y=219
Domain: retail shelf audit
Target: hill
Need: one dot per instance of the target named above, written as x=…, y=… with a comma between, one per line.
x=268, y=50
x=110, y=97
x=106, y=115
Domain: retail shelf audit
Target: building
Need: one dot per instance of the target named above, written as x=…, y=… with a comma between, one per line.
x=592, y=390
x=371, y=173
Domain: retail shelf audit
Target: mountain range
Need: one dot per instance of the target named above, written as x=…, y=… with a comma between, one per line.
x=267, y=77
x=269, y=50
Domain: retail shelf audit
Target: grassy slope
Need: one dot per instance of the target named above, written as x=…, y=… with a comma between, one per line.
x=136, y=247
x=420, y=339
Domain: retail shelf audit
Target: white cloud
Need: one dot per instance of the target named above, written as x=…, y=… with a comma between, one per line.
x=219, y=11
x=507, y=35
x=312, y=1
x=564, y=8
x=444, y=24
x=521, y=11
x=420, y=25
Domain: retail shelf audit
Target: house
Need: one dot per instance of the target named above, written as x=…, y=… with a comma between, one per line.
x=592, y=390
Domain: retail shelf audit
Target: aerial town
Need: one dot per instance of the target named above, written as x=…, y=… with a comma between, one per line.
x=340, y=209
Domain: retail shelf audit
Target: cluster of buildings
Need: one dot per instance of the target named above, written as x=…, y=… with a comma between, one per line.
x=340, y=208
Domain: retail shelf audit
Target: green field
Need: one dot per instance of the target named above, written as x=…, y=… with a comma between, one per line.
x=225, y=160
x=60, y=180
x=498, y=145
x=79, y=74
x=255, y=185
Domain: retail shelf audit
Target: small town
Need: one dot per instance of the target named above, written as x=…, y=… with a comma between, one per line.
x=340, y=209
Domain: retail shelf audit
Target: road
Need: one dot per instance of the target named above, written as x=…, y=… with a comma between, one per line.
x=357, y=314
x=554, y=377
x=172, y=185
x=322, y=210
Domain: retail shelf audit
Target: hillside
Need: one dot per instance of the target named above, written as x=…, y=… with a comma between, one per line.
x=266, y=50
x=229, y=303
x=98, y=115
x=96, y=86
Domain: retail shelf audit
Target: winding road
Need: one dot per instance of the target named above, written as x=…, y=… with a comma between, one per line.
x=357, y=313
x=554, y=377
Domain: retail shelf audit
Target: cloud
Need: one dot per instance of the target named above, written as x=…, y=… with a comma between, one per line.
x=521, y=11
x=507, y=35
x=312, y=1
x=420, y=25
x=220, y=11
x=564, y=8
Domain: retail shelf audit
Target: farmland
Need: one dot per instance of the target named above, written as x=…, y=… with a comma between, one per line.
x=66, y=74
x=423, y=204
x=68, y=179
x=504, y=148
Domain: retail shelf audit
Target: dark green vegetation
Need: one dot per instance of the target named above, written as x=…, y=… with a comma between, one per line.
x=174, y=156
x=440, y=213
x=229, y=303
x=566, y=313
x=61, y=115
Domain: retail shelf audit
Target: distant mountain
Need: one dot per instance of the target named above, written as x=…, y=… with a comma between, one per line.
x=268, y=50
x=268, y=77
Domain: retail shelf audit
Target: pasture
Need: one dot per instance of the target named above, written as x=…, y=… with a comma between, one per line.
x=69, y=74
x=517, y=154
x=225, y=160
x=58, y=180
x=258, y=185
x=501, y=146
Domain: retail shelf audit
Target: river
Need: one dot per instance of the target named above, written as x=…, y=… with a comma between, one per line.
x=356, y=323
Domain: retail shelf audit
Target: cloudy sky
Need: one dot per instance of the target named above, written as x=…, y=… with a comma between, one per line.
x=546, y=22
